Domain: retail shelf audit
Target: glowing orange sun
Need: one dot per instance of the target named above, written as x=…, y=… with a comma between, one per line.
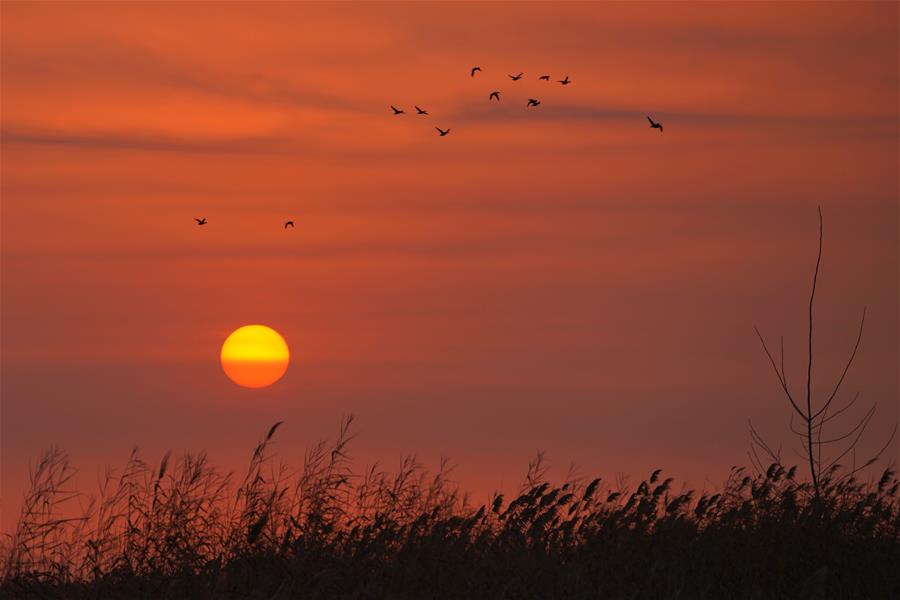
x=255, y=356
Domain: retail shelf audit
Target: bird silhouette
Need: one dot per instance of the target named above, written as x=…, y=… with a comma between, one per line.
x=396, y=110
x=474, y=70
x=565, y=80
x=494, y=96
x=442, y=132
x=200, y=221
x=288, y=223
x=420, y=111
x=655, y=125
x=544, y=77
x=533, y=102
x=516, y=77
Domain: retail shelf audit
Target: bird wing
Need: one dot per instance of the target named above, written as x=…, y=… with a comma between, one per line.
x=651, y=121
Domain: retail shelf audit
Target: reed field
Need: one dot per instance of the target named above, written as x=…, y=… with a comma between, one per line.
x=183, y=529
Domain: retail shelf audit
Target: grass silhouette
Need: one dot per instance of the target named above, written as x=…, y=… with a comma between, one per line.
x=183, y=529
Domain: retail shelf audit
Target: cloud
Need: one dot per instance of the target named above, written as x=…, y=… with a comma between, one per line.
x=14, y=135
x=122, y=64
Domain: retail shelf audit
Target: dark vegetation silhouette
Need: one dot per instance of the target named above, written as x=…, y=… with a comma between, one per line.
x=184, y=529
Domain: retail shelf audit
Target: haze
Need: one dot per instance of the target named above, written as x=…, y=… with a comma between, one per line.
x=563, y=279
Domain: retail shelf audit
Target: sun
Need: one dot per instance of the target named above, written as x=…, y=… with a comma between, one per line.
x=255, y=356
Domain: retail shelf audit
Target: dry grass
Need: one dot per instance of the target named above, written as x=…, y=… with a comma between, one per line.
x=182, y=529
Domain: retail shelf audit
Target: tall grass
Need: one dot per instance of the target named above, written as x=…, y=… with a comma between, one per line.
x=183, y=529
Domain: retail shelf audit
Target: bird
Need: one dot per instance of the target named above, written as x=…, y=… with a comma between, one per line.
x=533, y=102
x=516, y=77
x=494, y=95
x=565, y=80
x=200, y=221
x=474, y=70
x=287, y=223
x=655, y=125
x=396, y=110
x=544, y=77
x=420, y=111
x=442, y=132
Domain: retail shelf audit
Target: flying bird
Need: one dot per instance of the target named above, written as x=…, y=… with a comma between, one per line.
x=474, y=70
x=442, y=132
x=565, y=81
x=420, y=111
x=396, y=110
x=200, y=221
x=288, y=223
x=533, y=102
x=655, y=125
x=516, y=77
x=494, y=96
x=544, y=77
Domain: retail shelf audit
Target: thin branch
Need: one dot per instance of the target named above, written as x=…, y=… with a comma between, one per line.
x=812, y=297
x=837, y=386
x=855, y=441
x=793, y=430
x=778, y=374
x=761, y=443
x=875, y=456
x=868, y=415
x=783, y=372
x=824, y=420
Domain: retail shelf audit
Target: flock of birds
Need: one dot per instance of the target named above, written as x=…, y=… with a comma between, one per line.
x=493, y=96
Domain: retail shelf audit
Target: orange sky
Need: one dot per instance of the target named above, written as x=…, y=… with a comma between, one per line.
x=561, y=278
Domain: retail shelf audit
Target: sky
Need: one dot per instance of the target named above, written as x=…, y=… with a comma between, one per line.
x=560, y=278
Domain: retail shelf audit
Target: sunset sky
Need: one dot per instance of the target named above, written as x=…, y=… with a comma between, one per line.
x=560, y=278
